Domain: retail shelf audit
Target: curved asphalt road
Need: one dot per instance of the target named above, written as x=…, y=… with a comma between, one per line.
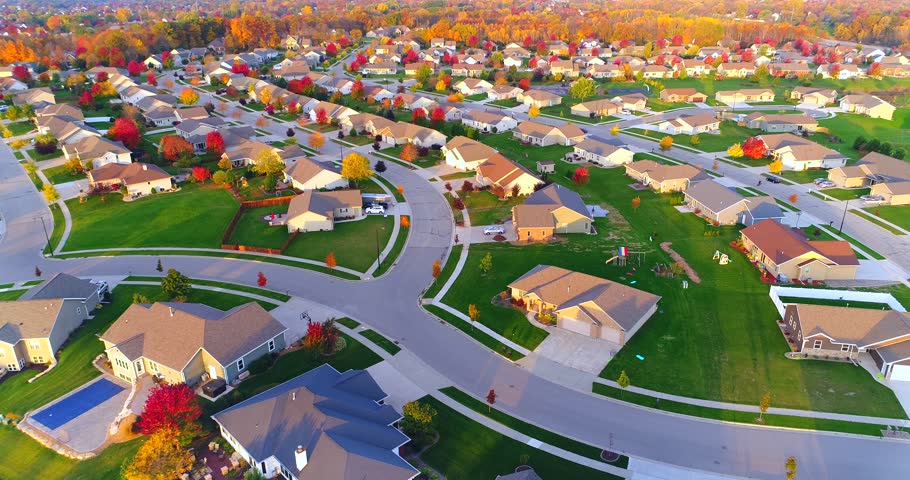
x=390, y=304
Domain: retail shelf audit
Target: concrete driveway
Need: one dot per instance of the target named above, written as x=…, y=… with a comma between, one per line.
x=290, y=315
x=577, y=351
x=477, y=235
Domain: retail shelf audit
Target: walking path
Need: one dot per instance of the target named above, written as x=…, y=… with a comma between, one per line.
x=67, y=226
x=210, y=288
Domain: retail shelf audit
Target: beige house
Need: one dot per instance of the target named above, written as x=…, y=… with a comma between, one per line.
x=774, y=123
x=138, y=178
x=798, y=153
x=307, y=174
x=682, y=95
x=470, y=70
x=380, y=68
x=872, y=169
x=488, y=121
x=747, y=95
x=585, y=304
x=551, y=210
x=543, y=135
x=634, y=101
x=503, y=92
x=869, y=105
x=787, y=255
x=37, y=97
x=894, y=193
x=99, y=151
x=502, y=172
x=722, y=205
x=313, y=211
x=596, y=108
x=814, y=96
x=539, y=98
x=472, y=86
x=600, y=153
x=736, y=69
x=466, y=154
x=690, y=124
x=190, y=343
x=65, y=129
x=34, y=327
x=664, y=178
x=844, y=332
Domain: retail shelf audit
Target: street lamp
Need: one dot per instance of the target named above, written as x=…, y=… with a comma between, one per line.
x=843, y=218
x=46, y=236
x=378, y=252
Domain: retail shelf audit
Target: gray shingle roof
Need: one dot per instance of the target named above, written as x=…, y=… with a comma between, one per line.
x=61, y=285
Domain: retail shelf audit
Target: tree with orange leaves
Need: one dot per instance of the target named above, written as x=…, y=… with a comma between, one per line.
x=189, y=96
x=330, y=260
x=405, y=221
x=408, y=153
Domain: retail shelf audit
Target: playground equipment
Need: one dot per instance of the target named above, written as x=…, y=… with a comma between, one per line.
x=622, y=256
x=722, y=258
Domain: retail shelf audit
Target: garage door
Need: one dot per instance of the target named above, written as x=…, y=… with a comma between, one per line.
x=610, y=334
x=900, y=372
x=576, y=326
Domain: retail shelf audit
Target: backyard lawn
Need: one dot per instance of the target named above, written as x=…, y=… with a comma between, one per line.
x=695, y=345
x=803, y=176
x=730, y=133
x=896, y=214
x=658, y=105
x=12, y=295
x=485, y=208
x=196, y=216
x=514, y=150
x=505, y=103
x=43, y=156
x=62, y=174
x=354, y=243
x=20, y=128
x=252, y=230
x=564, y=110
x=432, y=158
x=846, y=193
x=847, y=126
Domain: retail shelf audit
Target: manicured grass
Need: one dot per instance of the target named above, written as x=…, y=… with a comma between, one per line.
x=381, y=342
x=771, y=420
x=730, y=133
x=432, y=158
x=658, y=105
x=468, y=450
x=74, y=366
x=18, y=155
x=458, y=176
x=446, y=271
x=505, y=103
x=11, y=295
x=485, y=208
x=20, y=128
x=156, y=138
x=347, y=322
x=225, y=285
x=871, y=217
x=193, y=217
x=252, y=230
x=528, y=429
x=32, y=460
x=476, y=97
x=896, y=214
x=360, y=140
x=43, y=156
x=848, y=126
x=513, y=149
x=846, y=193
x=59, y=226
x=389, y=260
x=803, y=176
x=696, y=345
x=354, y=243
x=62, y=174
x=836, y=303
x=474, y=333
x=392, y=188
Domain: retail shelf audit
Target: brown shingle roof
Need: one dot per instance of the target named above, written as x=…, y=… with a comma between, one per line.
x=662, y=173
x=782, y=244
x=859, y=326
x=28, y=319
x=323, y=203
x=303, y=169
x=128, y=174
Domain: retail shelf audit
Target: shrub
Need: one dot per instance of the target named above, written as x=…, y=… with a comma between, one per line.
x=261, y=364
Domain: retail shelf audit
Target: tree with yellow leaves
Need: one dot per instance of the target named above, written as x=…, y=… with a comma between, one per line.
x=735, y=151
x=666, y=143
x=615, y=130
x=160, y=457
x=189, y=96
x=408, y=153
x=316, y=140
x=265, y=96
x=776, y=166
x=534, y=111
x=356, y=168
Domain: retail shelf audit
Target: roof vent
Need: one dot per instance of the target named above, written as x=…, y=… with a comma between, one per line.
x=172, y=310
x=300, y=457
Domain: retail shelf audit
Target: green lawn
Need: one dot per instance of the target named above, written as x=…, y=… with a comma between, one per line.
x=458, y=176
x=730, y=133
x=32, y=460
x=196, y=216
x=74, y=361
x=513, y=149
x=59, y=226
x=11, y=295
x=252, y=230
x=476, y=97
x=836, y=303
x=43, y=156
x=432, y=158
x=381, y=341
x=20, y=128
x=803, y=176
x=354, y=243
x=156, y=138
x=506, y=103
x=389, y=259
x=225, y=285
x=896, y=214
x=846, y=193
x=871, y=216
x=485, y=208
x=695, y=344
x=848, y=126
x=348, y=322
x=466, y=327
x=658, y=105
x=392, y=188
x=62, y=174
x=18, y=155
x=446, y=271
x=468, y=450
x=360, y=140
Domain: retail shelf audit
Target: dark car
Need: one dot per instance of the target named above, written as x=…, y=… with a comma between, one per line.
x=773, y=179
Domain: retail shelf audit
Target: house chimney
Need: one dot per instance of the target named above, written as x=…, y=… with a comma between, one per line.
x=300, y=457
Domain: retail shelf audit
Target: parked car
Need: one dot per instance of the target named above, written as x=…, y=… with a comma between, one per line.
x=375, y=210
x=819, y=180
x=872, y=199
x=221, y=91
x=825, y=184
x=494, y=230
x=773, y=179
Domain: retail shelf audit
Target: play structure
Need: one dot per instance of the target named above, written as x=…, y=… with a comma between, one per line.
x=722, y=258
x=622, y=257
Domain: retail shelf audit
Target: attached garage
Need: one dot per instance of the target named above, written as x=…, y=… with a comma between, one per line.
x=900, y=371
x=576, y=326
x=610, y=334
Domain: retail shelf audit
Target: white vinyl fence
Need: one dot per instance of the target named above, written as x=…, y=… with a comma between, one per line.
x=821, y=293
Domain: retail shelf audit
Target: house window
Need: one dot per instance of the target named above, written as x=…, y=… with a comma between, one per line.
x=271, y=344
x=38, y=359
x=34, y=345
x=817, y=345
x=2, y=354
x=285, y=473
x=845, y=348
x=153, y=366
x=240, y=364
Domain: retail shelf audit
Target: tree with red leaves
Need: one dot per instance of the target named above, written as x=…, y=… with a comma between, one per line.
x=201, y=174
x=473, y=41
x=174, y=406
x=447, y=58
x=542, y=48
x=418, y=116
x=491, y=399
x=240, y=68
x=357, y=90
x=322, y=118
x=331, y=49
x=126, y=131
x=261, y=280
x=134, y=68
x=321, y=337
x=677, y=40
x=308, y=86
x=214, y=143
x=524, y=84
x=175, y=147
x=527, y=42
x=313, y=337
x=411, y=57
x=532, y=63
x=488, y=45
x=875, y=70
x=296, y=86
x=151, y=79
x=101, y=77
x=581, y=176
x=438, y=116
x=834, y=70
x=86, y=99
x=20, y=72
x=344, y=42
x=754, y=148
x=748, y=55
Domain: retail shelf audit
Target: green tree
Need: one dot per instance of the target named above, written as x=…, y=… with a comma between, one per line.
x=356, y=168
x=140, y=298
x=418, y=420
x=623, y=380
x=486, y=263
x=175, y=284
x=694, y=139
x=268, y=163
x=583, y=88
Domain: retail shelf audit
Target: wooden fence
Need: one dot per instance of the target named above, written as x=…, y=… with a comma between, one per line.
x=244, y=206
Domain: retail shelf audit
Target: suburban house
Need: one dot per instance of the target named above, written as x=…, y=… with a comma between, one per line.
x=65, y=129
x=306, y=174
x=844, y=332
x=690, y=124
x=543, y=135
x=400, y=133
x=466, y=154
x=190, y=343
x=539, y=98
x=37, y=97
x=736, y=69
x=786, y=254
x=191, y=113
x=731, y=97
x=682, y=95
x=36, y=325
x=504, y=92
x=894, y=193
x=798, y=153
x=546, y=166
x=814, y=96
x=790, y=70
x=314, y=211
x=634, y=101
x=473, y=86
x=722, y=205
x=10, y=85
x=246, y=152
x=596, y=108
x=874, y=168
x=777, y=123
x=605, y=71
x=99, y=151
x=585, y=304
x=843, y=71
x=470, y=70
x=600, y=153
x=551, y=210
x=865, y=104
x=499, y=171
x=320, y=425
x=332, y=111
x=488, y=121
x=566, y=68
x=60, y=110
x=664, y=178
x=380, y=68
x=138, y=178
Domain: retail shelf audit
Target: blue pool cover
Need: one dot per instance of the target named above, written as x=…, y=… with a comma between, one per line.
x=76, y=404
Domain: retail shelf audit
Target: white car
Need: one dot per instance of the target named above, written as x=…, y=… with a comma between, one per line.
x=493, y=230
x=375, y=209
x=825, y=184
x=872, y=199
